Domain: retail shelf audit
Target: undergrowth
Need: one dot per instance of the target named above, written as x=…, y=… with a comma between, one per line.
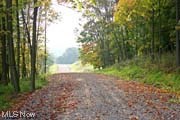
x=7, y=92
x=162, y=74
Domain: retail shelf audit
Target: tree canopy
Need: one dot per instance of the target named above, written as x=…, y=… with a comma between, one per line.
x=23, y=50
x=117, y=31
x=70, y=56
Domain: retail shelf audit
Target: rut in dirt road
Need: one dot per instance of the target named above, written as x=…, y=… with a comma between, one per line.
x=75, y=96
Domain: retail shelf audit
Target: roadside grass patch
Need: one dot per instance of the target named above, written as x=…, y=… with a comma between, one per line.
x=175, y=100
x=79, y=67
x=41, y=81
x=155, y=77
x=53, y=69
x=6, y=92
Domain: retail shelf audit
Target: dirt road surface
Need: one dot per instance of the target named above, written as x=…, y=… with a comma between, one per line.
x=86, y=96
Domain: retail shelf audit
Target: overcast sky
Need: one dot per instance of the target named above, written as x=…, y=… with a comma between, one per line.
x=61, y=34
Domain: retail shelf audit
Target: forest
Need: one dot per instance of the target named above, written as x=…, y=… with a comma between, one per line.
x=122, y=30
x=23, y=26
x=131, y=39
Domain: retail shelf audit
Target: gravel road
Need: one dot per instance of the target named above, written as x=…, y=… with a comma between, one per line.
x=86, y=96
x=99, y=98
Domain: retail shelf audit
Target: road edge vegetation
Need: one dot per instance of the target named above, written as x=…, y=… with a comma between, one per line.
x=164, y=78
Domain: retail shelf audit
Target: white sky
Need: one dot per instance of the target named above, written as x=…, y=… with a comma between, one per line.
x=61, y=34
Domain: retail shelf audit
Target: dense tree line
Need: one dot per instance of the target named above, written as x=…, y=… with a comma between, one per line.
x=70, y=56
x=117, y=31
x=23, y=40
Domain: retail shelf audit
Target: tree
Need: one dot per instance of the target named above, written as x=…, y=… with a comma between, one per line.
x=34, y=47
x=70, y=56
x=130, y=29
x=45, y=41
x=18, y=38
x=12, y=64
x=21, y=32
x=3, y=43
x=178, y=32
x=153, y=34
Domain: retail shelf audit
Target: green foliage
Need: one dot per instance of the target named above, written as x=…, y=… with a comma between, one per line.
x=175, y=100
x=53, y=69
x=6, y=92
x=41, y=81
x=79, y=67
x=125, y=31
x=123, y=40
x=50, y=60
x=70, y=56
x=141, y=72
x=25, y=85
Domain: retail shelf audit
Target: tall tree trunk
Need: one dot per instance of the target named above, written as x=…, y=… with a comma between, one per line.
x=38, y=24
x=4, y=59
x=34, y=46
x=45, y=47
x=18, y=38
x=27, y=34
x=178, y=33
x=12, y=64
x=153, y=33
x=23, y=47
x=123, y=45
x=159, y=2
x=25, y=26
x=102, y=51
x=118, y=44
x=3, y=42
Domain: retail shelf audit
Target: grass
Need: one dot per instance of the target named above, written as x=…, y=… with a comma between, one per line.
x=53, y=69
x=6, y=92
x=79, y=67
x=148, y=74
x=175, y=100
x=41, y=81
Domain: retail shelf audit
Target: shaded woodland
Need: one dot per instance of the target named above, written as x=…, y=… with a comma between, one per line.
x=119, y=31
x=23, y=50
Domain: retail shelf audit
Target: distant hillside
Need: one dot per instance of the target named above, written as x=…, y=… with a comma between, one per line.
x=69, y=56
